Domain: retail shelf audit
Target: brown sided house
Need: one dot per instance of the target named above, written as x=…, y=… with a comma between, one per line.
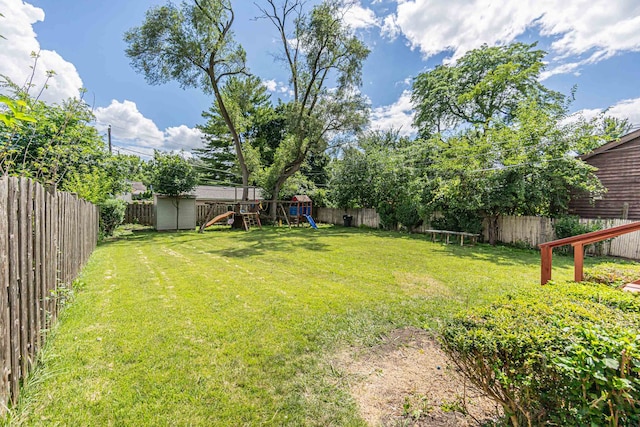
x=618, y=164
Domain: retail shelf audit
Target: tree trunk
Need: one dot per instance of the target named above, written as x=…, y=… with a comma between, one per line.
x=493, y=229
x=293, y=168
x=234, y=134
x=177, y=205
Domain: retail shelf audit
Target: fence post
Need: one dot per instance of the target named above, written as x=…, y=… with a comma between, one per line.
x=546, y=259
x=5, y=329
x=578, y=261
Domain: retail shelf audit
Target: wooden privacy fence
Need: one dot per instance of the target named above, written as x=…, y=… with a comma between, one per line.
x=139, y=213
x=534, y=231
x=143, y=213
x=366, y=217
x=45, y=239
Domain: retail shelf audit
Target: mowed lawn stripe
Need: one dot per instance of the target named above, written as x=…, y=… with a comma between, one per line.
x=234, y=328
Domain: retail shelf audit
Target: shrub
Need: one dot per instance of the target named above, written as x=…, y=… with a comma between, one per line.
x=568, y=226
x=458, y=220
x=111, y=215
x=560, y=355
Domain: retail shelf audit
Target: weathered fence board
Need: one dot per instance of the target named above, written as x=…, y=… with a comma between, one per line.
x=533, y=231
x=5, y=328
x=139, y=213
x=45, y=239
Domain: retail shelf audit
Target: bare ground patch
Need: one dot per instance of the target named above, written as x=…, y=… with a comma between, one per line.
x=408, y=380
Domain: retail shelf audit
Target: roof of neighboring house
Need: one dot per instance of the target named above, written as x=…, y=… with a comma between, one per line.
x=137, y=187
x=211, y=192
x=612, y=144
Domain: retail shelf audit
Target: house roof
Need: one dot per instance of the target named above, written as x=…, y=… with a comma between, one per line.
x=613, y=144
x=211, y=192
x=137, y=187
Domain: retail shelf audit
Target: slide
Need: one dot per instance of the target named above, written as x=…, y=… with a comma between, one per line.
x=219, y=217
x=311, y=222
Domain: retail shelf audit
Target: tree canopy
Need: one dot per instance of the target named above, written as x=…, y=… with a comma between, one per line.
x=324, y=59
x=171, y=174
x=484, y=86
x=192, y=44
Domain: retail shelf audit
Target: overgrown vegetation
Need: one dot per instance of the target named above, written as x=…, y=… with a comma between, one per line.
x=560, y=355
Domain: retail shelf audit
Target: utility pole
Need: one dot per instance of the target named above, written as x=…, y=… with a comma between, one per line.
x=109, y=137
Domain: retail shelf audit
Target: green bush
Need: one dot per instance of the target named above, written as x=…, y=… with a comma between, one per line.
x=555, y=355
x=569, y=226
x=458, y=220
x=111, y=215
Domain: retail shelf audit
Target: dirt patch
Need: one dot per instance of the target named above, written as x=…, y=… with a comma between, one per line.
x=422, y=285
x=408, y=380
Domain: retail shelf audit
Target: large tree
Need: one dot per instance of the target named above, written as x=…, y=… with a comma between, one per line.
x=324, y=59
x=529, y=167
x=192, y=44
x=484, y=86
x=249, y=108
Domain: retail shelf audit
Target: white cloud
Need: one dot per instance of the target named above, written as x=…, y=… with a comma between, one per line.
x=271, y=85
x=274, y=86
x=627, y=109
x=358, y=17
x=624, y=109
x=596, y=29
x=15, y=54
x=397, y=116
x=131, y=129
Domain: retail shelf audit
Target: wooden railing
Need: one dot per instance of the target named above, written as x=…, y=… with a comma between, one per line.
x=578, y=243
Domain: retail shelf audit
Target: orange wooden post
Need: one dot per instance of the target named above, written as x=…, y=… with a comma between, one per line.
x=578, y=261
x=546, y=258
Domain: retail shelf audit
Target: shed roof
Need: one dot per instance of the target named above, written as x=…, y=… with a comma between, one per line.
x=212, y=192
x=612, y=144
x=301, y=198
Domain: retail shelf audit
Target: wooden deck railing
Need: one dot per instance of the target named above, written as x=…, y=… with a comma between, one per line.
x=578, y=243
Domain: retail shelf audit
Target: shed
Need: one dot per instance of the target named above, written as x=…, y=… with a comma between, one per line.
x=213, y=193
x=167, y=208
x=618, y=164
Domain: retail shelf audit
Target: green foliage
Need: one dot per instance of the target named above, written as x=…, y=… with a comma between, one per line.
x=485, y=85
x=563, y=354
x=570, y=225
x=54, y=145
x=171, y=174
x=375, y=175
x=249, y=109
x=495, y=138
x=458, y=220
x=111, y=215
x=613, y=274
x=324, y=58
x=193, y=44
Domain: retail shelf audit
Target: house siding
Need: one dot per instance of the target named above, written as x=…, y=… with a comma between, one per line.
x=619, y=172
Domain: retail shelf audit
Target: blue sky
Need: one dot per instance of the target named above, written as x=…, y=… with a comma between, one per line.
x=594, y=44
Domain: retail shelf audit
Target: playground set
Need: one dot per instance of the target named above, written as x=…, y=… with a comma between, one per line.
x=246, y=214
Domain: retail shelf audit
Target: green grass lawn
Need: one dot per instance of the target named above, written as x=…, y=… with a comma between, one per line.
x=229, y=328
